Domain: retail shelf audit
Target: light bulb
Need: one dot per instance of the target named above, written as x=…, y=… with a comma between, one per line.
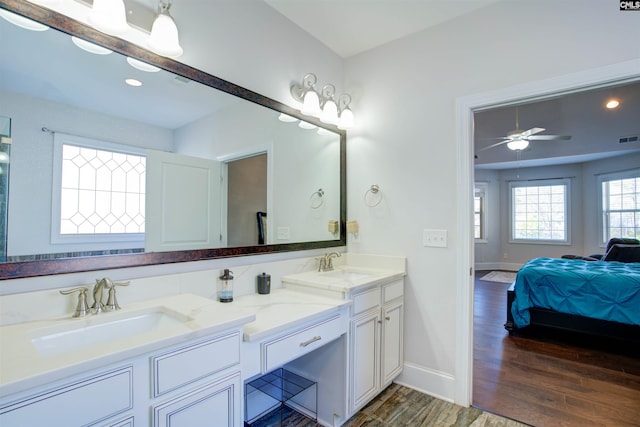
x=164, y=36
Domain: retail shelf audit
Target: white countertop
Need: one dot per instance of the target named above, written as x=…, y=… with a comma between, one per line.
x=22, y=366
x=283, y=309
x=344, y=278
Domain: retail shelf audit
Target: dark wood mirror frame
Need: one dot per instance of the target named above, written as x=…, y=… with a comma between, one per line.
x=90, y=263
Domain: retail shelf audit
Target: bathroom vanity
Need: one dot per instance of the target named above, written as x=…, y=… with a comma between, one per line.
x=178, y=360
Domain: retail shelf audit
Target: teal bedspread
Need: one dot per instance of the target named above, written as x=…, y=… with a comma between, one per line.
x=603, y=290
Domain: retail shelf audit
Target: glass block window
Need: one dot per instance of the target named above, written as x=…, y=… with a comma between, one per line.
x=102, y=192
x=621, y=206
x=540, y=211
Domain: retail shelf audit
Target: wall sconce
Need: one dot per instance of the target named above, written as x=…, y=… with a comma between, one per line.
x=164, y=38
x=323, y=105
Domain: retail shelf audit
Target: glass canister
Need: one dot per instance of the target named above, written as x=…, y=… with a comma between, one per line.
x=225, y=286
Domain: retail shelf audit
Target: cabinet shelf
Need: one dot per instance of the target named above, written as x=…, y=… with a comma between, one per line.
x=270, y=395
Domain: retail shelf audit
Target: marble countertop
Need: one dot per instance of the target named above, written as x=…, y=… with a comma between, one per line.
x=283, y=309
x=344, y=278
x=23, y=365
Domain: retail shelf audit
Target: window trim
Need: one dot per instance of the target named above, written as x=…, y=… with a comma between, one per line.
x=59, y=139
x=567, y=210
x=482, y=187
x=601, y=179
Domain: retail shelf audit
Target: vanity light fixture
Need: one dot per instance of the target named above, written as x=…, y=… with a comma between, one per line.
x=109, y=16
x=90, y=47
x=22, y=22
x=323, y=105
x=164, y=38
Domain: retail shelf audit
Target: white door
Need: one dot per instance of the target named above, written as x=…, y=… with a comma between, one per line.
x=182, y=203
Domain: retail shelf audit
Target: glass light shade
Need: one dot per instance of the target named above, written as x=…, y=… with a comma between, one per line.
x=311, y=103
x=346, y=119
x=518, y=144
x=306, y=125
x=90, y=47
x=329, y=113
x=286, y=118
x=109, y=16
x=22, y=22
x=164, y=37
x=142, y=66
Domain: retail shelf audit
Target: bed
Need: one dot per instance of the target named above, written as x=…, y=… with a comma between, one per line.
x=593, y=297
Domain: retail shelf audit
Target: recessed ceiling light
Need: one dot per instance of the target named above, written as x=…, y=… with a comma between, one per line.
x=90, y=47
x=133, y=82
x=612, y=103
x=142, y=66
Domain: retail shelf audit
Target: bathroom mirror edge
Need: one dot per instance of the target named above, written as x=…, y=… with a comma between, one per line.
x=69, y=26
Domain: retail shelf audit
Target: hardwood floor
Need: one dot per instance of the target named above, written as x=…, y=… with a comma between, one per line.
x=550, y=379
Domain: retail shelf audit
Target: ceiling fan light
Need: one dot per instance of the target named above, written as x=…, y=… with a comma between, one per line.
x=109, y=16
x=164, y=38
x=518, y=144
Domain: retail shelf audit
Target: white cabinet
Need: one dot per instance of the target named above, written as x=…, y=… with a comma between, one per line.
x=197, y=383
x=376, y=341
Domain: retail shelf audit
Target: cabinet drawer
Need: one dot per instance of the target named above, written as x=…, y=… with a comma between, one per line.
x=88, y=401
x=365, y=300
x=393, y=290
x=281, y=350
x=186, y=365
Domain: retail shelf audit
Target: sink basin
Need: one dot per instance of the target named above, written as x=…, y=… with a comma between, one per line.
x=76, y=334
x=350, y=276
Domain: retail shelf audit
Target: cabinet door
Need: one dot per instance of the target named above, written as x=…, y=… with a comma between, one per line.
x=214, y=405
x=365, y=359
x=392, y=342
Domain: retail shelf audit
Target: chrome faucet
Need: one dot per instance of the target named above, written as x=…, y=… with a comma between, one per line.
x=326, y=262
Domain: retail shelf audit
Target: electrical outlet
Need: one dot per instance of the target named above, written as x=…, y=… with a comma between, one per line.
x=434, y=238
x=283, y=233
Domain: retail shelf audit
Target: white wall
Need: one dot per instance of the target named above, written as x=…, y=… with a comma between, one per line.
x=404, y=98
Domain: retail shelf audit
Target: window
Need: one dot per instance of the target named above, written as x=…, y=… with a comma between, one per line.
x=620, y=200
x=540, y=211
x=480, y=212
x=99, y=192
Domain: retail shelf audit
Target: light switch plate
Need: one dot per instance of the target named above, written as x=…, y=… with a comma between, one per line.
x=434, y=238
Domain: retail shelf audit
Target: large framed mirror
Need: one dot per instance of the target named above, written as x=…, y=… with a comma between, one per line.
x=99, y=175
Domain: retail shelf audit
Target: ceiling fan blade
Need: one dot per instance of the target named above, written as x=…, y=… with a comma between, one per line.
x=550, y=137
x=532, y=131
x=495, y=145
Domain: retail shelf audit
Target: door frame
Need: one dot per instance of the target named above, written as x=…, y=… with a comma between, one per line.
x=225, y=159
x=619, y=73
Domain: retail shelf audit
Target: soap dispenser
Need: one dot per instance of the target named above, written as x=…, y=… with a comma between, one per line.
x=225, y=286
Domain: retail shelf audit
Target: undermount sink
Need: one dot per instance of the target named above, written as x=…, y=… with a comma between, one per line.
x=76, y=334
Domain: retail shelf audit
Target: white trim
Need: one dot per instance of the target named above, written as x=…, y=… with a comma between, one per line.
x=600, y=179
x=434, y=383
x=465, y=107
x=225, y=159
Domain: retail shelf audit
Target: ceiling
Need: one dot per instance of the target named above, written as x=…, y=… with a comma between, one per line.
x=349, y=27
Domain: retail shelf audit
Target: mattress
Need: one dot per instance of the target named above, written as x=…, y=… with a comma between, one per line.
x=606, y=290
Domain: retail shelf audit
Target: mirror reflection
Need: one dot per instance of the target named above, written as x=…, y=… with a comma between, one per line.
x=100, y=166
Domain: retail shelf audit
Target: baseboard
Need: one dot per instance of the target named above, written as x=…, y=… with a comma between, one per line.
x=509, y=266
x=434, y=383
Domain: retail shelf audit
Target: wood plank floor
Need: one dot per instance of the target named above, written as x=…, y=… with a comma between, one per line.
x=550, y=379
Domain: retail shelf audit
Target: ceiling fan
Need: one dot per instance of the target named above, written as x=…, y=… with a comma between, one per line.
x=518, y=139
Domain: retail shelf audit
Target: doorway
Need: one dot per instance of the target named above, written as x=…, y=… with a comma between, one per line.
x=465, y=108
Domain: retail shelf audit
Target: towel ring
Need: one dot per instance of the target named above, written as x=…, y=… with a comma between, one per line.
x=317, y=199
x=373, y=196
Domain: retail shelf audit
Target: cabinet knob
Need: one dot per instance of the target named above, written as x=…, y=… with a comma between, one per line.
x=387, y=318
